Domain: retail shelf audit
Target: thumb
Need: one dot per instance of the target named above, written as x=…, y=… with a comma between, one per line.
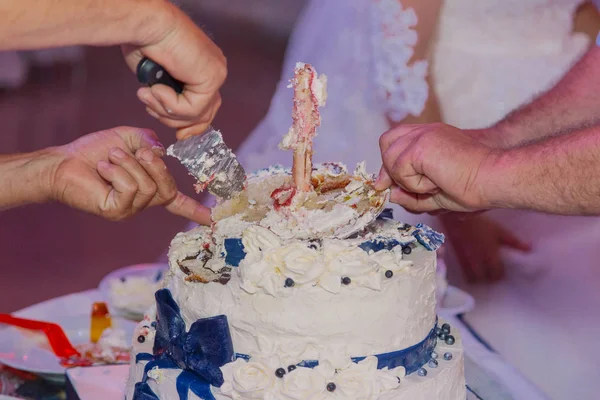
x=383, y=180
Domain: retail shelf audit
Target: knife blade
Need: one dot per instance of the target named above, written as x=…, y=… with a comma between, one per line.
x=211, y=162
x=206, y=156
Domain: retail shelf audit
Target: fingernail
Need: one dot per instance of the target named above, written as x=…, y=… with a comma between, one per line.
x=102, y=164
x=158, y=150
x=169, y=111
x=117, y=153
x=146, y=155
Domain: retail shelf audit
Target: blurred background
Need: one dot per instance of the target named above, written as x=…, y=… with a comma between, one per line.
x=52, y=97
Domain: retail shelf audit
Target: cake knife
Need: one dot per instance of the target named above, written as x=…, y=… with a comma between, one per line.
x=206, y=156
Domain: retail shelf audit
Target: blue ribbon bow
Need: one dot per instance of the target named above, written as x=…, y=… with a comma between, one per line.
x=200, y=352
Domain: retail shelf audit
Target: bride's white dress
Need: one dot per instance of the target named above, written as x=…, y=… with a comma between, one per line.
x=490, y=57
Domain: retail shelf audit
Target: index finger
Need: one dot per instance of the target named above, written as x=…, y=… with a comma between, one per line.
x=189, y=208
x=390, y=136
x=137, y=138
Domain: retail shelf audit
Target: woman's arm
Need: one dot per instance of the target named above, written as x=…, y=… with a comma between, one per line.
x=155, y=29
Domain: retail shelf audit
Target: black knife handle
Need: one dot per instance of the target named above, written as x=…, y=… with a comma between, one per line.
x=150, y=73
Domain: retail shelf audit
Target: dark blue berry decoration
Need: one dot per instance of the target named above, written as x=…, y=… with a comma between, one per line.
x=346, y=280
x=331, y=387
x=450, y=340
x=447, y=356
x=279, y=372
x=389, y=273
x=422, y=372
x=434, y=355
x=446, y=328
x=289, y=282
x=153, y=324
x=291, y=368
x=433, y=363
x=407, y=250
x=429, y=238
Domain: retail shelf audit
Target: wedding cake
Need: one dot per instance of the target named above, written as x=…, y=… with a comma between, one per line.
x=304, y=287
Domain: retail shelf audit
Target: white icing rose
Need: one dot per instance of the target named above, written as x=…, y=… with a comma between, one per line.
x=390, y=379
x=256, y=239
x=297, y=261
x=346, y=260
x=303, y=384
x=359, y=381
x=248, y=380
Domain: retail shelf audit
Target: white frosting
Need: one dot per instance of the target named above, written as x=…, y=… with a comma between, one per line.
x=256, y=379
x=269, y=261
x=360, y=317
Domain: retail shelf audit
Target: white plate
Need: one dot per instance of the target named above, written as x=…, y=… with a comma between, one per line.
x=29, y=350
x=150, y=271
x=456, y=302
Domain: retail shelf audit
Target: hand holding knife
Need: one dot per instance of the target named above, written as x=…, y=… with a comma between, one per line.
x=206, y=156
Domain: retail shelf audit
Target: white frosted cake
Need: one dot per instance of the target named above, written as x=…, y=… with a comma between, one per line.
x=303, y=288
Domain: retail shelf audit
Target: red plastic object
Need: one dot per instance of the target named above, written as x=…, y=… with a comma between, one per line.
x=59, y=342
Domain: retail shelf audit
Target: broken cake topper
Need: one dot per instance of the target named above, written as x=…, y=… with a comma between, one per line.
x=309, y=94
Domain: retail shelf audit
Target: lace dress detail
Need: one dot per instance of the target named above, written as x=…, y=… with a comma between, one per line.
x=493, y=56
x=402, y=88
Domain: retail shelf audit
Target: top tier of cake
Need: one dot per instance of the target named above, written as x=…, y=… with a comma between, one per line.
x=288, y=285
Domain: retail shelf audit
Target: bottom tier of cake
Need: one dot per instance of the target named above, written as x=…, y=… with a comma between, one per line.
x=442, y=377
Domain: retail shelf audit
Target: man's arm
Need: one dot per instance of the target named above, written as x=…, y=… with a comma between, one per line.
x=573, y=104
x=114, y=173
x=559, y=175
x=433, y=167
x=34, y=24
x=24, y=178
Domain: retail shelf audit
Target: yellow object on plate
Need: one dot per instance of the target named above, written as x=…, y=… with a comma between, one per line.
x=100, y=321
